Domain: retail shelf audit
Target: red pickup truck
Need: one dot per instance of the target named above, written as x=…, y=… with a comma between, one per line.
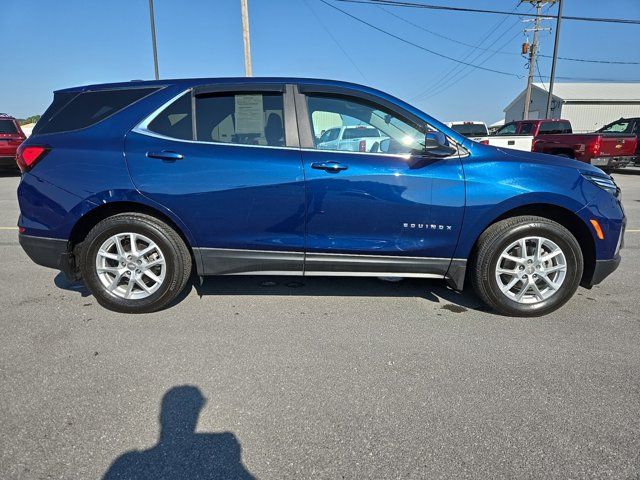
x=602, y=149
x=11, y=136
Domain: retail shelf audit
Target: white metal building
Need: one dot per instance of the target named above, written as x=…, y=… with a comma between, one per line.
x=588, y=106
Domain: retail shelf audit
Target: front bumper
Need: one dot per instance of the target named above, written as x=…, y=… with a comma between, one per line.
x=603, y=269
x=611, y=162
x=48, y=252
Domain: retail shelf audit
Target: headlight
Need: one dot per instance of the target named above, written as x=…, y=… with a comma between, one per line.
x=605, y=183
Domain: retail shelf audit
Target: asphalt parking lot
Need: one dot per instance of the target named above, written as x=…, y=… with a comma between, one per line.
x=317, y=378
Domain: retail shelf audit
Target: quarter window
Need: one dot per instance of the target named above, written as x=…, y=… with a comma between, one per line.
x=89, y=108
x=365, y=127
x=176, y=120
x=241, y=118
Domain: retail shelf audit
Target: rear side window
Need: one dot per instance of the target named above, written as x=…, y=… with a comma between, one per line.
x=89, y=108
x=555, y=127
x=623, y=126
x=243, y=118
x=176, y=120
x=7, y=126
x=526, y=128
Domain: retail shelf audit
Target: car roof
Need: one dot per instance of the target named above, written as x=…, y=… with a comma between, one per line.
x=187, y=82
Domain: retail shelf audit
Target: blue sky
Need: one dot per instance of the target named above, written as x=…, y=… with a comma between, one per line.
x=72, y=42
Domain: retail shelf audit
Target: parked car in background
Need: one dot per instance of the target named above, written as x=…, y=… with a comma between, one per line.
x=519, y=134
x=628, y=126
x=131, y=186
x=476, y=131
x=606, y=150
x=353, y=138
x=11, y=136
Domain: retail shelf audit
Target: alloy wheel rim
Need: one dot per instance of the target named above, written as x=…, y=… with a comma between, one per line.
x=531, y=270
x=130, y=266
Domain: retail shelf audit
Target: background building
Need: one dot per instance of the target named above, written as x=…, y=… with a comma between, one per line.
x=588, y=106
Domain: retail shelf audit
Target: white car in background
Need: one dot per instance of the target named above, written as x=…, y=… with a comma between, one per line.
x=504, y=137
x=351, y=138
x=476, y=131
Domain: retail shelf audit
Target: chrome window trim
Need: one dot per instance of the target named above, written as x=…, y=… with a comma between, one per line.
x=143, y=129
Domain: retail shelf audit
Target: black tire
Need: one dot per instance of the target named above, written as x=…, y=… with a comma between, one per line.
x=495, y=239
x=176, y=255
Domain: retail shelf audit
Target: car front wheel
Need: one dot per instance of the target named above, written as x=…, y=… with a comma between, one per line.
x=134, y=263
x=526, y=266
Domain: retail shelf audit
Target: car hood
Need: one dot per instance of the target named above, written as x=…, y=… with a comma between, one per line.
x=553, y=160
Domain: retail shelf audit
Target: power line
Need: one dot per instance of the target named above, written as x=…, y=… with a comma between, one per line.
x=458, y=68
x=450, y=77
x=437, y=34
x=468, y=72
x=409, y=42
x=438, y=54
x=335, y=40
x=396, y=3
x=587, y=60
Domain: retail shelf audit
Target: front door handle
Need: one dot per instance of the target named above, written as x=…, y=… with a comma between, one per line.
x=166, y=155
x=329, y=166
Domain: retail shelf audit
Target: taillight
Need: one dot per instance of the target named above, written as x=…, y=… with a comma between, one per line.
x=362, y=147
x=534, y=142
x=28, y=155
x=484, y=142
x=595, y=147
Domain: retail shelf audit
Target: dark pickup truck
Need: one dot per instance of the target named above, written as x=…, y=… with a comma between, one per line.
x=605, y=149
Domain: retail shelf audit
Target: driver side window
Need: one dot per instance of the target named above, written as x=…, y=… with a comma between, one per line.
x=364, y=127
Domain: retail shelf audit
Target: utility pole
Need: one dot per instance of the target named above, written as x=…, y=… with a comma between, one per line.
x=532, y=58
x=555, y=59
x=533, y=51
x=153, y=39
x=246, y=38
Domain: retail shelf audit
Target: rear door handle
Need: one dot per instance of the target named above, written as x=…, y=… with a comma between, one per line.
x=329, y=166
x=166, y=155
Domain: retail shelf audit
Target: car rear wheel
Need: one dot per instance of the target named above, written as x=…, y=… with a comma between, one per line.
x=526, y=266
x=134, y=263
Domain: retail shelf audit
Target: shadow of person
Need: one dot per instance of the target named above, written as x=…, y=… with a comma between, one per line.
x=181, y=453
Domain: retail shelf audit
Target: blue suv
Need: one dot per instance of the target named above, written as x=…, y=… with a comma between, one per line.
x=133, y=186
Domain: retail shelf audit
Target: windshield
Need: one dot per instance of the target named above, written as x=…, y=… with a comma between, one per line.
x=471, y=129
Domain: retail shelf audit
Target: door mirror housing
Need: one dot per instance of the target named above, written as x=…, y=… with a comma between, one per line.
x=437, y=145
x=434, y=140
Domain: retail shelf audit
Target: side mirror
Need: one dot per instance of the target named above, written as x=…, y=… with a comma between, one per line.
x=436, y=145
x=434, y=140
